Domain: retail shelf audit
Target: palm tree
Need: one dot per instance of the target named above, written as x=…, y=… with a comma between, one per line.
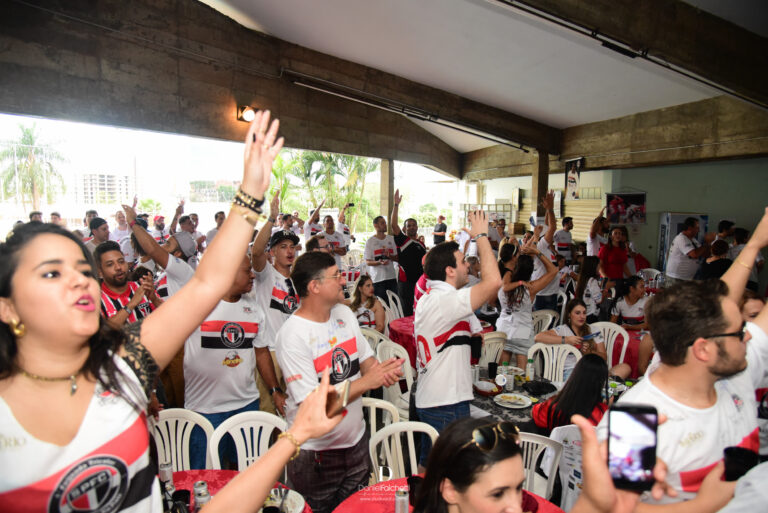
x=281, y=170
x=305, y=170
x=30, y=173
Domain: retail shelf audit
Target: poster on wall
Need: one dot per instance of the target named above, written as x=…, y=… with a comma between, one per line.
x=573, y=177
x=626, y=208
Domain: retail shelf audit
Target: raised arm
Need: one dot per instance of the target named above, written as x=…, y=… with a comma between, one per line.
x=343, y=214
x=490, y=282
x=146, y=241
x=316, y=214
x=176, y=216
x=395, y=210
x=737, y=275
x=164, y=332
x=551, y=271
x=596, y=224
x=258, y=250
x=549, y=205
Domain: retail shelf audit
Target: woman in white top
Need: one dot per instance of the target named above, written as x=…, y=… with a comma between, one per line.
x=629, y=311
x=516, y=302
x=588, y=288
x=367, y=308
x=572, y=332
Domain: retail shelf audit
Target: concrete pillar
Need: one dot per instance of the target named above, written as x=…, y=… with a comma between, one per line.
x=387, y=190
x=540, y=179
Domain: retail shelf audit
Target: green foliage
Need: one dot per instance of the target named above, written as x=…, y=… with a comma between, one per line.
x=225, y=193
x=29, y=172
x=151, y=207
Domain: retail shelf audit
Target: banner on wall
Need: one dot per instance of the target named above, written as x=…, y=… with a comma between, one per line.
x=626, y=208
x=573, y=169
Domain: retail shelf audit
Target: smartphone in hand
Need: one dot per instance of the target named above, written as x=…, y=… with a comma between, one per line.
x=632, y=445
x=338, y=398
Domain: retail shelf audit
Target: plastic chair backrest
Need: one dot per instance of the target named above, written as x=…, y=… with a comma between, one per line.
x=391, y=315
x=386, y=350
x=542, y=319
x=533, y=446
x=389, y=414
x=252, y=433
x=611, y=332
x=570, y=470
x=171, y=433
x=562, y=302
x=392, y=448
x=554, y=358
x=395, y=304
x=493, y=346
x=648, y=273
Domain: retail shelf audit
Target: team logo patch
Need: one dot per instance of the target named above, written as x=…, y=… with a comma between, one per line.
x=96, y=484
x=340, y=365
x=232, y=334
x=290, y=304
x=247, y=310
x=341, y=323
x=232, y=359
x=737, y=401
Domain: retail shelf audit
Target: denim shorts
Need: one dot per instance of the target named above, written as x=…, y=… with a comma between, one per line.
x=519, y=345
x=439, y=417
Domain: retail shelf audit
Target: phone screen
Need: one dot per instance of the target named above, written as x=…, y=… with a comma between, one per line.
x=632, y=445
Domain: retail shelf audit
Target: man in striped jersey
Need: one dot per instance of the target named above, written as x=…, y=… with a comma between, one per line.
x=122, y=300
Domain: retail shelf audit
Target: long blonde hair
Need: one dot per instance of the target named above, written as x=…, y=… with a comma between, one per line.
x=357, y=294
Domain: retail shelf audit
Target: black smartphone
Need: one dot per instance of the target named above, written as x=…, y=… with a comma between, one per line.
x=632, y=445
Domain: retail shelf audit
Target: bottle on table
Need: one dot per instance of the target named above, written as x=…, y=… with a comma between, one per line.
x=202, y=497
x=529, y=371
x=401, y=500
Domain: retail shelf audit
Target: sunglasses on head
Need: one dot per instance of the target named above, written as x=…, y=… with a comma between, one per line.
x=486, y=438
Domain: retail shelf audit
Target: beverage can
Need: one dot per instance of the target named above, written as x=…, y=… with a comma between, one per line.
x=401, y=500
x=165, y=472
x=475, y=373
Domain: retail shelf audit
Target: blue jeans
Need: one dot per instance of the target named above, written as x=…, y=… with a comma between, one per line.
x=198, y=444
x=545, y=302
x=439, y=417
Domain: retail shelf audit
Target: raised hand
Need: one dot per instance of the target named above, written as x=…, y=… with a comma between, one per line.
x=274, y=205
x=760, y=234
x=398, y=198
x=261, y=148
x=135, y=201
x=130, y=213
x=478, y=221
x=180, y=208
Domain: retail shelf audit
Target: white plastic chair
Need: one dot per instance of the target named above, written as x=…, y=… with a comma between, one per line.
x=554, y=358
x=171, y=433
x=562, y=302
x=610, y=332
x=391, y=315
x=251, y=431
x=395, y=304
x=386, y=350
x=392, y=447
x=533, y=446
x=354, y=257
x=389, y=413
x=493, y=345
x=374, y=337
x=542, y=319
x=648, y=274
x=570, y=470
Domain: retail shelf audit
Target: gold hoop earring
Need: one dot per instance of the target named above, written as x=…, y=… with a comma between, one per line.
x=18, y=328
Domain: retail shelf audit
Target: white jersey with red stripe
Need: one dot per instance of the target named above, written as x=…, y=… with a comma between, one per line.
x=219, y=359
x=278, y=300
x=336, y=240
x=311, y=229
x=692, y=440
x=160, y=236
x=381, y=250
x=345, y=232
x=563, y=241
x=106, y=467
x=630, y=314
x=304, y=349
x=366, y=318
x=595, y=243
x=177, y=274
x=443, y=314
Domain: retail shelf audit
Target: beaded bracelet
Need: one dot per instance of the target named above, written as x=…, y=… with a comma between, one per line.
x=248, y=201
x=290, y=436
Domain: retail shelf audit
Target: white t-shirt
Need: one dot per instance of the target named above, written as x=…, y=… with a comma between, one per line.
x=219, y=360
x=593, y=244
x=278, y=300
x=516, y=320
x=117, y=234
x=443, y=314
x=161, y=237
x=563, y=240
x=539, y=269
x=311, y=229
x=336, y=239
x=751, y=494
x=593, y=296
x=107, y=460
x=304, y=349
x=734, y=253
x=344, y=230
x=630, y=314
x=461, y=239
x=381, y=249
x=692, y=440
x=366, y=318
x=210, y=236
x=679, y=264
x=127, y=249
x=177, y=274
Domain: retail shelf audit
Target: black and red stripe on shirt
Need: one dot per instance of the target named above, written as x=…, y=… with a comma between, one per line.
x=112, y=302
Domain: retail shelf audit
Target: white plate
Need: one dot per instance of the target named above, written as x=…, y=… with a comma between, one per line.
x=513, y=401
x=294, y=502
x=515, y=371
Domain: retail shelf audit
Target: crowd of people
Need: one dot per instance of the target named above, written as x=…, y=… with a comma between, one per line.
x=100, y=328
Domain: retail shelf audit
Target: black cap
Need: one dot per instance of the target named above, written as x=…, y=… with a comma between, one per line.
x=142, y=222
x=96, y=222
x=282, y=235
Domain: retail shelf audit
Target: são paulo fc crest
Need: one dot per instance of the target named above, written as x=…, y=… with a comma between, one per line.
x=290, y=304
x=232, y=334
x=340, y=365
x=96, y=484
x=232, y=359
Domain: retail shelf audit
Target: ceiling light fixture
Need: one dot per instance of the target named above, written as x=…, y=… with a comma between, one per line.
x=246, y=113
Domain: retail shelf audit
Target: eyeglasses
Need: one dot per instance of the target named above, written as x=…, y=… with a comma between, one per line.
x=486, y=438
x=740, y=334
x=336, y=276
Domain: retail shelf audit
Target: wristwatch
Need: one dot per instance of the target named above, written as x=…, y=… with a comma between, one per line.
x=479, y=235
x=129, y=310
x=275, y=389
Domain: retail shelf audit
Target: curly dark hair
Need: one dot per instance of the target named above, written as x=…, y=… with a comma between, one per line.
x=100, y=364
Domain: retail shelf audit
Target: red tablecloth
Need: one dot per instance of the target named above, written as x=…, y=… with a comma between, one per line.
x=632, y=351
x=380, y=498
x=401, y=332
x=216, y=479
